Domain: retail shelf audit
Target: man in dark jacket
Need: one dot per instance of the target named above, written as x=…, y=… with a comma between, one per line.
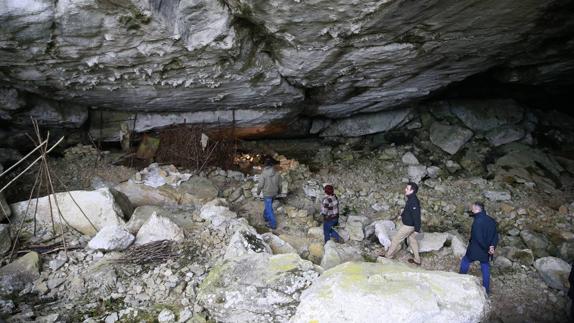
x=411, y=228
x=483, y=241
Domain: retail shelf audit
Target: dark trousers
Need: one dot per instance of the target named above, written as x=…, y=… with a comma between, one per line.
x=484, y=267
x=328, y=230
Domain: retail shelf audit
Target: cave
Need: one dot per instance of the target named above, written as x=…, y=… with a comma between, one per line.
x=150, y=123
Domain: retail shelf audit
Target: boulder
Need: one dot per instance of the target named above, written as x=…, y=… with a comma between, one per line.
x=217, y=213
x=433, y=241
x=417, y=172
x=256, y=287
x=457, y=244
x=538, y=243
x=166, y=316
x=278, y=245
x=394, y=292
x=140, y=194
x=5, y=240
x=244, y=242
x=505, y=135
x=336, y=254
x=159, y=228
x=409, y=159
x=316, y=233
x=112, y=238
x=365, y=124
x=183, y=217
x=502, y=264
x=522, y=256
x=526, y=164
x=449, y=138
x=17, y=274
x=355, y=226
x=554, y=271
x=98, y=209
x=385, y=230
x=484, y=115
x=498, y=196
x=201, y=188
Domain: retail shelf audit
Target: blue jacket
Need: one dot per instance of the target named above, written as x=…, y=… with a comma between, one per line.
x=482, y=235
x=411, y=215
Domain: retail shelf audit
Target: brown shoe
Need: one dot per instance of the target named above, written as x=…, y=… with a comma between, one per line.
x=339, y=240
x=412, y=261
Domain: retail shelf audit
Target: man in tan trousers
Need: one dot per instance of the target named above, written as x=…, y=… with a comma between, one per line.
x=411, y=228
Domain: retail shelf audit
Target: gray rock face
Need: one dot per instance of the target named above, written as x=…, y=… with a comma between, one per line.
x=487, y=114
x=258, y=57
x=256, y=288
x=449, y=138
x=367, y=123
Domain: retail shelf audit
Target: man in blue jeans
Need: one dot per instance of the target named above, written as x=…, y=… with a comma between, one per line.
x=330, y=213
x=270, y=184
x=483, y=241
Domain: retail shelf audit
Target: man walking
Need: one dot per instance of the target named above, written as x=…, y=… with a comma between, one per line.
x=411, y=228
x=483, y=241
x=330, y=213
x=270, y=184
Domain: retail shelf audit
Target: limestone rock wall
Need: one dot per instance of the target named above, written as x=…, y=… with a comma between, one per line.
x=328, y=59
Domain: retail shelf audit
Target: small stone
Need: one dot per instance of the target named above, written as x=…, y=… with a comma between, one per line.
x=166, y=316
x=410, y=159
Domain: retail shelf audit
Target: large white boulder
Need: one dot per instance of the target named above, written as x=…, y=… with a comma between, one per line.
x=433, y=241
x=93, y=211
x=554, y=271
x=217, y=212
x=246, y=242
x=394, y=292
x=112, y=237
x=159, y=228
x=278, y=245
x=256, y=287
x=457, y=244
x=356, y=227
x=385, y=230
x=336, y=254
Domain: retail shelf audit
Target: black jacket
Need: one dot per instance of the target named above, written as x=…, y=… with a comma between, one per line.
x=483, y=234
x=412, y=212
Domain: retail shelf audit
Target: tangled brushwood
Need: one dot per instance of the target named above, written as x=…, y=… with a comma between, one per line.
x=149, y=253
x=191, y=147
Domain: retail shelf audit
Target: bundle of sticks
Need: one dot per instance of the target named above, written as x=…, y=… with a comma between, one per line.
x=149, y=253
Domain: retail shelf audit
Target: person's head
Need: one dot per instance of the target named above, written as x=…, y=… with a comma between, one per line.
x=477, y=207
x=411, y=188
x=329, y=189
x=269, y=162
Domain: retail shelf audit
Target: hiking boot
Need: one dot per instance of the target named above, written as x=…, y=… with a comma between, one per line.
x=412, y=261
x=339, y=240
